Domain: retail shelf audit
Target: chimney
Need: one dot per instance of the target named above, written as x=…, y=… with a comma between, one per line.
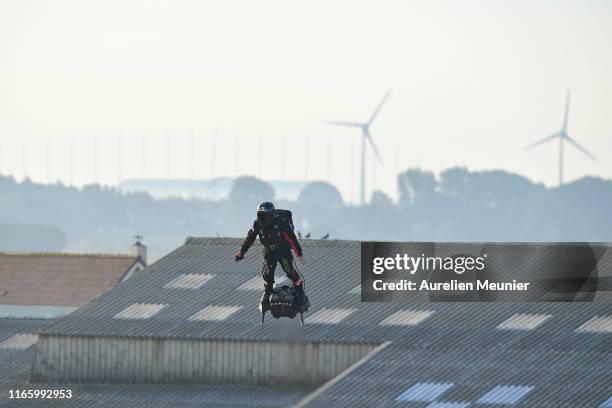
x=139, y=249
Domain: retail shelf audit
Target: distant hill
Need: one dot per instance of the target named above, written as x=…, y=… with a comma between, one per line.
x=456, y=205
x=212, y=190
x=31, y=238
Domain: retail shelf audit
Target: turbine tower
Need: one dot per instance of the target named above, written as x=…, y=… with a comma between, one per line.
x=563, y=136
x=365, y=136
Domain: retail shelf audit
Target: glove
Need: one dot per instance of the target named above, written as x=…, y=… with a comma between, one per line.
x=239, y=255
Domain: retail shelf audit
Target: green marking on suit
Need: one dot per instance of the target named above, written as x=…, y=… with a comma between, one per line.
x=286, y=265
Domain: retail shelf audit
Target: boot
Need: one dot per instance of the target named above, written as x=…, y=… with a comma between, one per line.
x=300, y=296
x=265, y=298
x=301, y=300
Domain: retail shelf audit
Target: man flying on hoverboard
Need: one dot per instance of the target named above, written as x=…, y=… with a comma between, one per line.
x=274, y=227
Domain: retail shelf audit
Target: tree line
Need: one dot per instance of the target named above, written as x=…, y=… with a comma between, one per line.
x=456, y=205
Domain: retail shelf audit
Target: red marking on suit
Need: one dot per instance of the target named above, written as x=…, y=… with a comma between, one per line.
x=286, y=237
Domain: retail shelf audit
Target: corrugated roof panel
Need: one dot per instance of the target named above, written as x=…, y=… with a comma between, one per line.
x=407, y=317
x=597, y=324
x=473, y=324
x=389, y=373
x=438, y=350
x=444, y=404
x=257, y=283
x=523, y=321
x=215, y=313
x=188, y=281
x=505, y=394
x=424, y=392
x=329, y=315
x=140, y=311
x=607, y=403
x=19, y=341
x=16, y=365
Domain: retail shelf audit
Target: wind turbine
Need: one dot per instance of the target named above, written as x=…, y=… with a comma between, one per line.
x=365, y=135
x=563, y=136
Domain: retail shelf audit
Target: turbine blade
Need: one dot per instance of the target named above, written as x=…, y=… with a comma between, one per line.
x=577, y=146
x=352, y=124
x=546, y=139
x=567, y=108
x=369, y=139
x=380, y=105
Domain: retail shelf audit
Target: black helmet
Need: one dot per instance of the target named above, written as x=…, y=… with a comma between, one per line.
x=265, y=212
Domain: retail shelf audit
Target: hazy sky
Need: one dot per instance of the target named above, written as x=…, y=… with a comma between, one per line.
x=473, y=83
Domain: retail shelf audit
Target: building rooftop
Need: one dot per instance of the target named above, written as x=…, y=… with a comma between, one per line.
x=59, y=279
x=202, y=274
x=444, y=355
x=16, y=365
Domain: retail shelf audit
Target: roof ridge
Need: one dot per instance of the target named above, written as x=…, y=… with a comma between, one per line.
x=66, y=254
x=308, y=241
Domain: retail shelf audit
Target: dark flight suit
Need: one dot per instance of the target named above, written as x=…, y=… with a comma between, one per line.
x=278, y=240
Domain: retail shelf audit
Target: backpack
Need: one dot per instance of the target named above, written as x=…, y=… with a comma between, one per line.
x=284, y=216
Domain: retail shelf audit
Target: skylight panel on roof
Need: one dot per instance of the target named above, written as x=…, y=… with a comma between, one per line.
x=356, y=290
x=407, y=317
x=607, y=403
x=522, y=321
x=256, y=283
x=505, y=394
x=19, y=341
x=597, y=324
x=444, y=404
x=424, y=392
x=140, y=311
x=215, y=313
x=330, y=315
x=188, y=281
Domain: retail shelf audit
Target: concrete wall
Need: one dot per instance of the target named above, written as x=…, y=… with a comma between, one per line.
x=132, y=360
